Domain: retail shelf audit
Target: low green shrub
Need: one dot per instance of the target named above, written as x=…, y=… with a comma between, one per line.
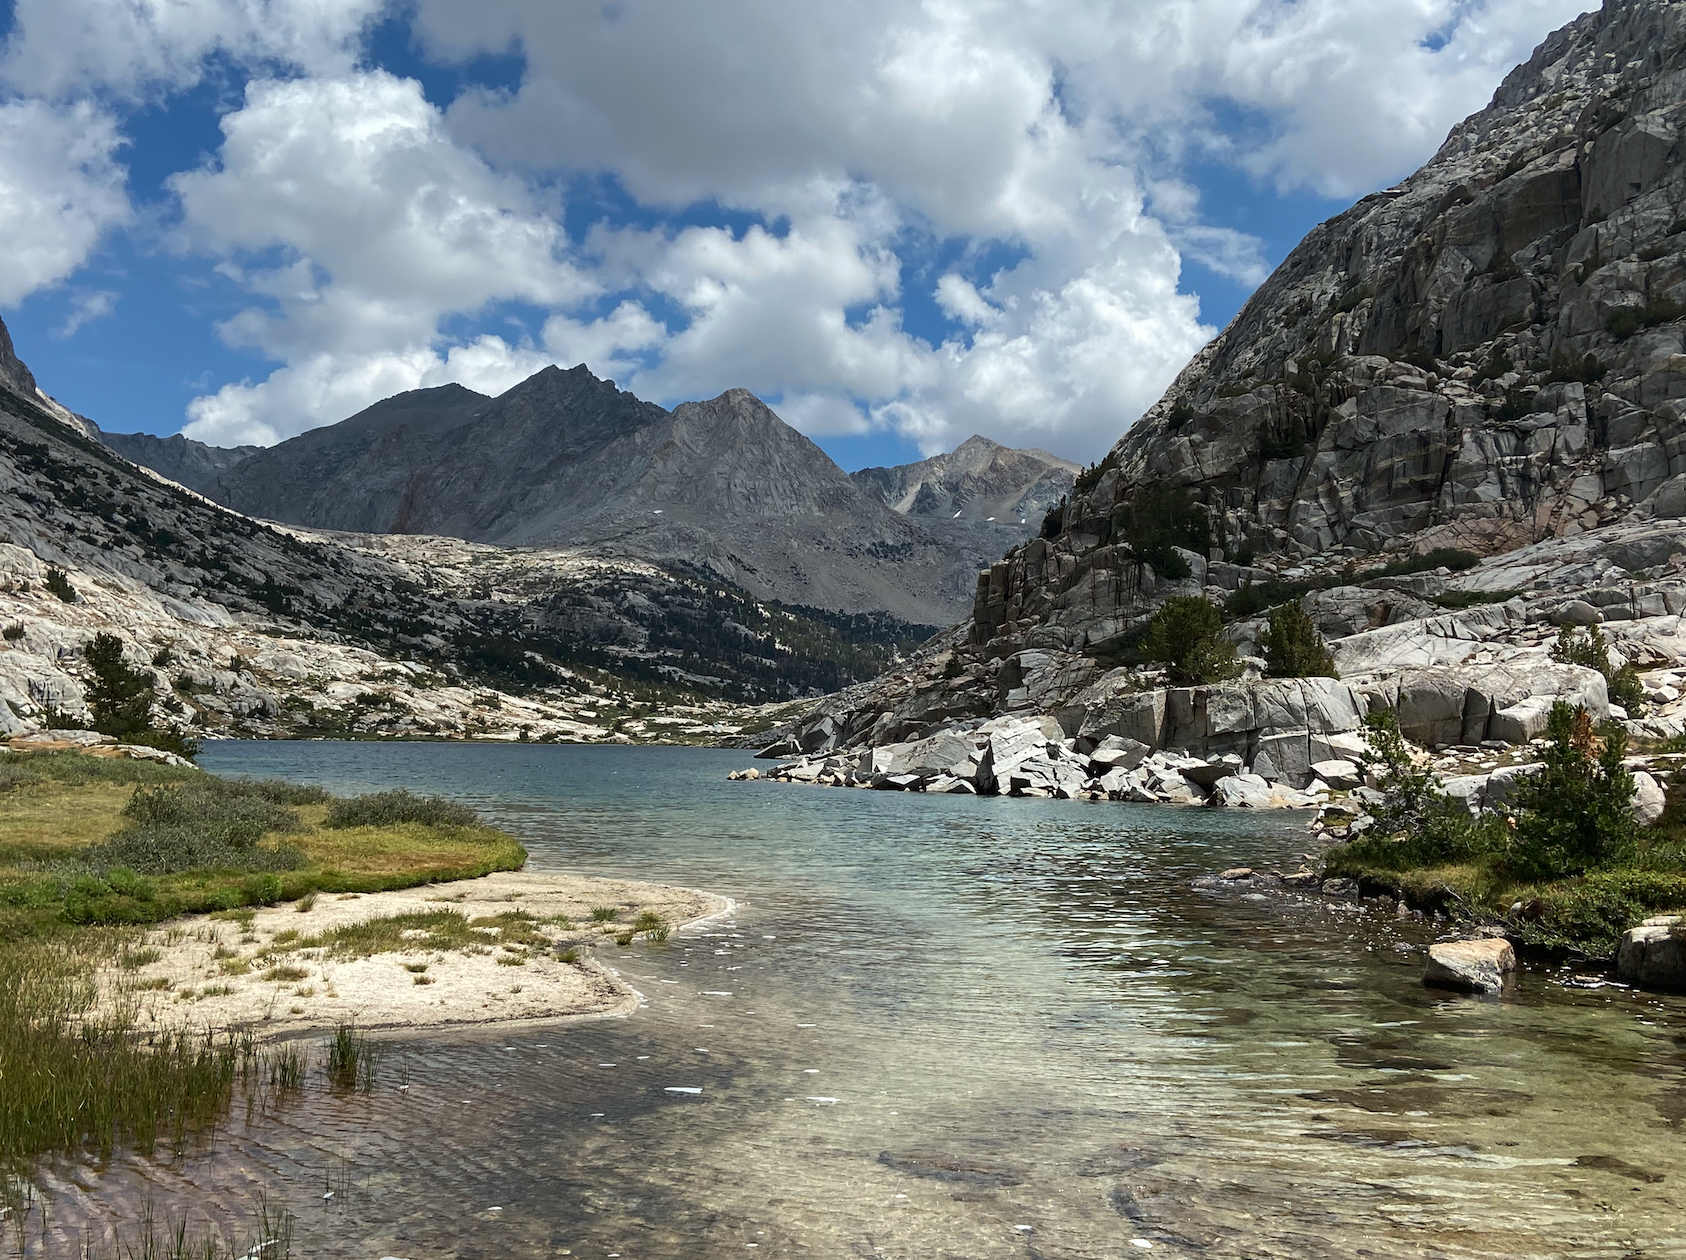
x=1416, y=825
x=1592, y=652
x=1574, y=814
x=1453, y=558
x=1581, y=371
x=389, y=809
x=1252, y=598
x=210, y=823
x=59, y=584
x=1472, y=599
x=1630, y=320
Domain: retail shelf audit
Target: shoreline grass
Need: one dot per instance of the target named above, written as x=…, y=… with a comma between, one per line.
x=91, y=851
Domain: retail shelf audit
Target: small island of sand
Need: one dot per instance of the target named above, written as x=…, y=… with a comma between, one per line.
x=505, y=948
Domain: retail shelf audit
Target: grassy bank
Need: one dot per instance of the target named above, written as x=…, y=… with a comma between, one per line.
x=1562, y=865
x=96, y=841
x=91, y=849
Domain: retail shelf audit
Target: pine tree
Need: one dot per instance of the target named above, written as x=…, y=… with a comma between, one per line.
x=1293, y=648
x=120, y=697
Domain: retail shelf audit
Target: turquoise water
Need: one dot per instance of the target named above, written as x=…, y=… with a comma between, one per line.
x=952, y=1027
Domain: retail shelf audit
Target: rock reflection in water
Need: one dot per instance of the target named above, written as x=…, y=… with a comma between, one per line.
x=951, y=1027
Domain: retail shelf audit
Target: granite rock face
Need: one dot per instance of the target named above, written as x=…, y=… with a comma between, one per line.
x=1487, y=359
x=14, y=375
x=1417, y=373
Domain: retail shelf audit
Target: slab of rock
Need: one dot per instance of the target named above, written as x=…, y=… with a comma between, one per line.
x=1653, y=955
x=1339, y=774
x=1207, y=773
x=1577, y=612
x=1470, y=966
x=1116, y=752
x=1241, y=790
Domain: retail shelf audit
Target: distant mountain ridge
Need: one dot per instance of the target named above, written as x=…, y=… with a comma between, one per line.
x=722, y=486
x=183, y=460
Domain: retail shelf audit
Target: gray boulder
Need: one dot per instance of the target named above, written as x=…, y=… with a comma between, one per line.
x=1653, y=955
x=1649, y=799
x=1577, y=612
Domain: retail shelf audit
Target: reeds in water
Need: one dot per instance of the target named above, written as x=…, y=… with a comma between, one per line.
x=353, y=1060
x=152, y=1239
x=74, y=1079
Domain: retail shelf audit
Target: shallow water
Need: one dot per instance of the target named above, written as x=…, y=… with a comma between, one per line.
x=952, y=1027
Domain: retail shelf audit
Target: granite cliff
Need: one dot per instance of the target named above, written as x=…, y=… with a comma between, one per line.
x=1487, y=358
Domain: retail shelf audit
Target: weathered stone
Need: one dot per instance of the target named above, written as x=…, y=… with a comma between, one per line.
x=1653, y=955
x=1577, y=612
x=1502, y=782
x=1338, y=774
x=1649, y=799
x=1470, y=966
x=1116, y=752
x=1241, y=791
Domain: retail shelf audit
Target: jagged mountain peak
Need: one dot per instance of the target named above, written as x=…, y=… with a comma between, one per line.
x=14, y=375
x=980, y=480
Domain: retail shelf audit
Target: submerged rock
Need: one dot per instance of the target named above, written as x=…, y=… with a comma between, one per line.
x=1470, y=966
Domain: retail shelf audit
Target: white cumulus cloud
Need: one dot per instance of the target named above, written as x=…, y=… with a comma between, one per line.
x=344, y=207
x=871, y=158
x=61, y=189
x=139, y=47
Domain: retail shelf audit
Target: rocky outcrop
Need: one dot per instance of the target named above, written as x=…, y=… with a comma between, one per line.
x=1653, y=955
x=1034, y=757
x=1487, y=355
x=14, y=375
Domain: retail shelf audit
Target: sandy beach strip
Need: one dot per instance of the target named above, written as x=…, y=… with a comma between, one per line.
x=281, y=972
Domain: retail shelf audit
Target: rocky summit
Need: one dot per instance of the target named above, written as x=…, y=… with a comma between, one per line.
x=1484, y=365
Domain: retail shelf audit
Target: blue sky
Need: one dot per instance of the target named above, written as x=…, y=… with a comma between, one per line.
x=255, y=216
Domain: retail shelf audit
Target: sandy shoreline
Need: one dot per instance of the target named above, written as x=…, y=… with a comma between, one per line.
x=279, y=972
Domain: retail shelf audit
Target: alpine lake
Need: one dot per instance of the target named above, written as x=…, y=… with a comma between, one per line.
x=944, y=1027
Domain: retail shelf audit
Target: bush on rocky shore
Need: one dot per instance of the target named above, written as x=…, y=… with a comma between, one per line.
x=1564, y=859
x=1186, y=636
